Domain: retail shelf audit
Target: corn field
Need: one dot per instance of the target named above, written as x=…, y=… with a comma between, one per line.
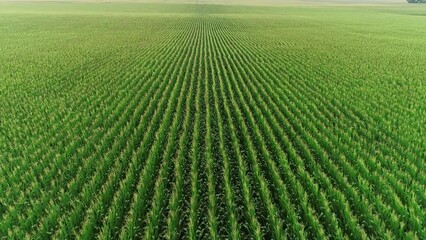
x=145, y=121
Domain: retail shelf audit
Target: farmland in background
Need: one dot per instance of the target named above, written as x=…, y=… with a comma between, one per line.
x=177, y=121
